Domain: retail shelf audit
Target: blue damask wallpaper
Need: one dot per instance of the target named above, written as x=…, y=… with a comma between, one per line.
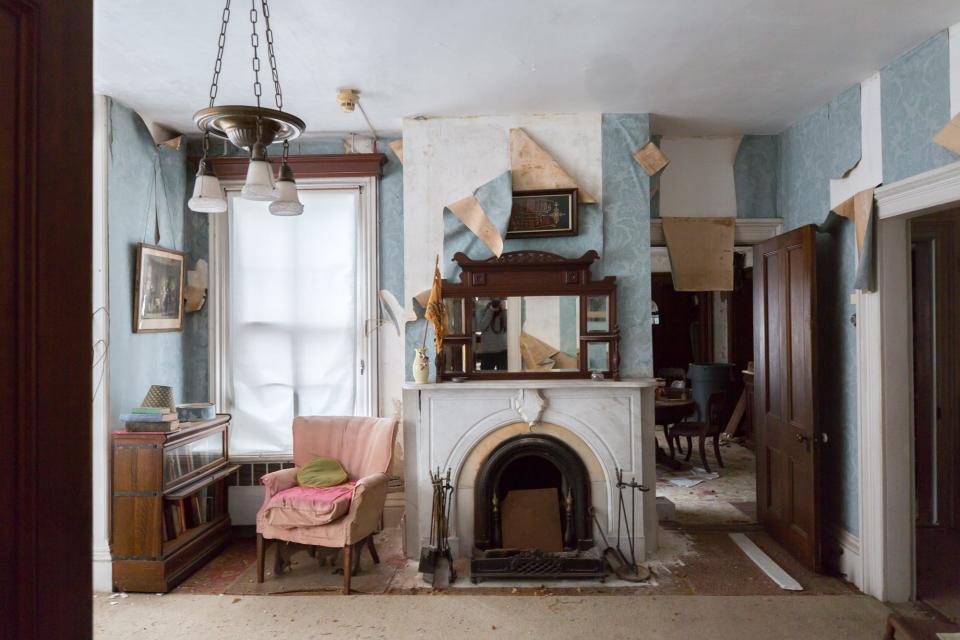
x=391, y=222
x=756, y=177
x=820, y=147
x=138, y=360
x=626, y=232
x=915, y=104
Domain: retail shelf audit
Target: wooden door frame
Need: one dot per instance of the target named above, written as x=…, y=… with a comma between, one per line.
x=46, y=279
x=884, y=335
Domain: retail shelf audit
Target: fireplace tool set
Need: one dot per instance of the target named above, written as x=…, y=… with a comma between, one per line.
x=625, y=569
x=436, y=560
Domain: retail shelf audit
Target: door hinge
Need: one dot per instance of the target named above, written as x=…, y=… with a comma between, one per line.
x=363, y=366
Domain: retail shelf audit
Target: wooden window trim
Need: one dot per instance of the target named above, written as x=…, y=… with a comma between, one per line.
x=343, y=165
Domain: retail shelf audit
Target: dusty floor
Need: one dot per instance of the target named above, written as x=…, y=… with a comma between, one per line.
x=730, y=499
x=148, y=617
x=698, y=561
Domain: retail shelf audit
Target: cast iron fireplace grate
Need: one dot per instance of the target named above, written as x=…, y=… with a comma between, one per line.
x=544, y=461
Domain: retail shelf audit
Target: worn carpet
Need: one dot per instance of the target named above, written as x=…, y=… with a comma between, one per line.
x=309, y=574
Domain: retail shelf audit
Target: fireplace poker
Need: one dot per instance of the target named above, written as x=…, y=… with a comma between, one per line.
x=437, y=554
x=631, y=528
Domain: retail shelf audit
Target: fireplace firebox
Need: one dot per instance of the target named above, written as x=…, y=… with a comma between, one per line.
x=534, y=462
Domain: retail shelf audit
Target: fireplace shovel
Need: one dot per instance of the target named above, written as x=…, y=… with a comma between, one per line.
x=436, y=560
x=616, y=561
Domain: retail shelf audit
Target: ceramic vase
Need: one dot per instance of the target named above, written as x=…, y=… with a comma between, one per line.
x=421, y=366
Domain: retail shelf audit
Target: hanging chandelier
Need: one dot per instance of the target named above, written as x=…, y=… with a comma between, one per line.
x=252, y=128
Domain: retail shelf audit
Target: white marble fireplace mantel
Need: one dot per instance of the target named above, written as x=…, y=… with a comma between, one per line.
x=610, y=424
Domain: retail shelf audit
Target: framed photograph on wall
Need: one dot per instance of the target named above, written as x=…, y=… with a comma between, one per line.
x=543, y=213
x=158, y=293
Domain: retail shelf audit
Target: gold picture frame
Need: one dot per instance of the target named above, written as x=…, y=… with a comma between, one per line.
x=158, y=292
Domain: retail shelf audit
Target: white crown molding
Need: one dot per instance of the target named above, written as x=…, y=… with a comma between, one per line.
x=747, y=231
x=923, y=193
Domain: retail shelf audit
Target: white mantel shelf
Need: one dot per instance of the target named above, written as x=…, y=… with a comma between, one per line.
x=540, y=383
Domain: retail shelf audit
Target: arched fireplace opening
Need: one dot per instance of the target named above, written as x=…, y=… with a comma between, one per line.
x=525, y=463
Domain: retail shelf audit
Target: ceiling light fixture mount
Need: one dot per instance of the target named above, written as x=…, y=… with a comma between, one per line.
x=252, y=128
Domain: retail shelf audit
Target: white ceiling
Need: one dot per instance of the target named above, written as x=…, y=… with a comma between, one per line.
x=701, y=66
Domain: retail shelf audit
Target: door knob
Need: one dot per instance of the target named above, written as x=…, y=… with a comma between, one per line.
x=801, y=437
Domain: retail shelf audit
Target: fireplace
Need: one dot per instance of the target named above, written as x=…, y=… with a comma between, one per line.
x=569, y=436
x=553, y=480
x=530, y=462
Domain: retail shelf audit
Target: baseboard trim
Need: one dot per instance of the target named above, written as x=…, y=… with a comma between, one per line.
x=842, y=553
x=102, y=571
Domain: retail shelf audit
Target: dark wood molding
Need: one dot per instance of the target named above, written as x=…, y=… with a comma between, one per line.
x=344, y=165
x=531, y=273
x=46, y=182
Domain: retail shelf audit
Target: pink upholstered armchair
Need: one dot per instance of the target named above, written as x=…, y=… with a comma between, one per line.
x=346, y=516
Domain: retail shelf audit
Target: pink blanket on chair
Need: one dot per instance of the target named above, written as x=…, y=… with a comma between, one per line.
x=308, y=506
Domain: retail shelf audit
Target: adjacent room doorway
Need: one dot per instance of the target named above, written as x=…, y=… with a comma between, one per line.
x=936, y=408
x=708, y=327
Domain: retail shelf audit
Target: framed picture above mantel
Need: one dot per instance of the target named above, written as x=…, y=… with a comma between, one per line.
x=543, y=213
x=158, y=292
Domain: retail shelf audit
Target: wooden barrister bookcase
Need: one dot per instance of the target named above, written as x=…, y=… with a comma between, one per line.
x=170, y=512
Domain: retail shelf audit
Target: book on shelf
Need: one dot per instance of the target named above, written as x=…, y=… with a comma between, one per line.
x=172, y=520
x=166, y=526
x=149, y=417
x=151, y=410
x=162, y=427
x=208, y=508
x=195, y=514
x=182, y=515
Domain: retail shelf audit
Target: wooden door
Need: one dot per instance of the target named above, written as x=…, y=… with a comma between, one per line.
x=785, y=419
x=46, y=112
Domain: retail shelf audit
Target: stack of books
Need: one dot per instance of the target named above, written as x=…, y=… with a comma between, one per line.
x=151, y=419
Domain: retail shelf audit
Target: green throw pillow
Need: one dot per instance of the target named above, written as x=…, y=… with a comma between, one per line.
x=322, y=472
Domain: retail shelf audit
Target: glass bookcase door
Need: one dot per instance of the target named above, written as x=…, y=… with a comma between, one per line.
x=186, y=460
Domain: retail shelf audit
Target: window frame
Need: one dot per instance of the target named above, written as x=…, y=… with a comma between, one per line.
x=367, y=366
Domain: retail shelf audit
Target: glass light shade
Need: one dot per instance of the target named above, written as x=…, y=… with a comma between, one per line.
x=207, y=193
x=288, y=201
x=259, y=182
x=208, y=196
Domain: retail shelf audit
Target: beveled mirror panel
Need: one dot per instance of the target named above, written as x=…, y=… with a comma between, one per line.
x=598, y=356
x=526, y=333
x=528, y=314
x=598, y=314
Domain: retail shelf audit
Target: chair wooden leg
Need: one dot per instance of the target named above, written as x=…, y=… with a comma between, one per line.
x=689, y=448
x=670, y=443
x=260, y=557
x=373, y=549
x=347, y=568
x=716, y=449
x=703, y=454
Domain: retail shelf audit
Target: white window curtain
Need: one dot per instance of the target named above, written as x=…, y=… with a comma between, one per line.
x=292, y=317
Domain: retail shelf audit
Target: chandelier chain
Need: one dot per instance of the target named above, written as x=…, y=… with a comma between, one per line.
x=268, y=32
x=254, y=43
x=221, y=42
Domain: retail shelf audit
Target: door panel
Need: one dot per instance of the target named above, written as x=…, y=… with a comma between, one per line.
x=785, y=414
x=46, y=108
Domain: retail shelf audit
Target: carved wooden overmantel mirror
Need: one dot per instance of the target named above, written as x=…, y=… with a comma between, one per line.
x=529, y=314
